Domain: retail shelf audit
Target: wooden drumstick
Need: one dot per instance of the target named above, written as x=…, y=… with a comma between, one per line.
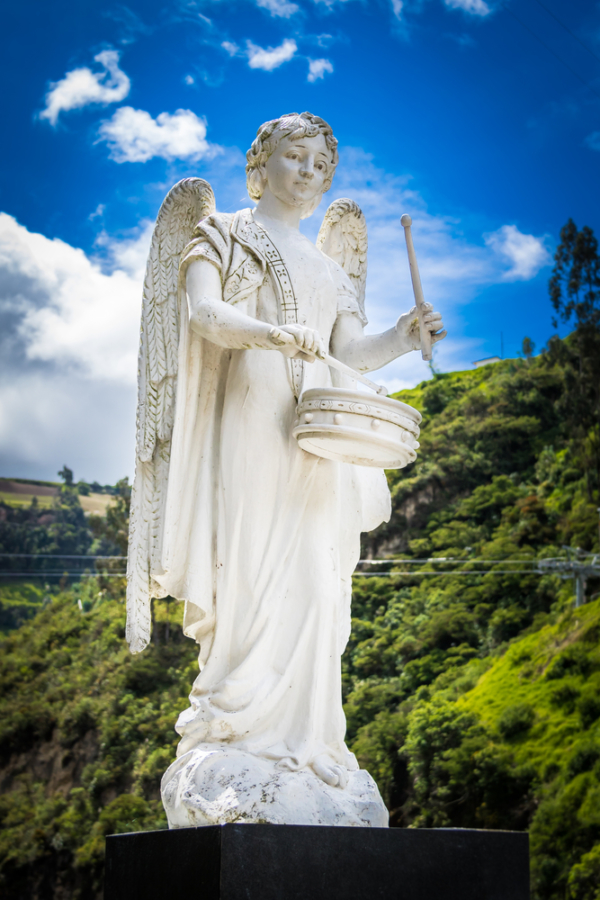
x=282, y=337
x=341, y=367
x=426, y=347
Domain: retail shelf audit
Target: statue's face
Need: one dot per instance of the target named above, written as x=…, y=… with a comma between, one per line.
x=297, y=170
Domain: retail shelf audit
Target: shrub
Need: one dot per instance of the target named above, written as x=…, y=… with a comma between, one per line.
x=584, y=878
x=77, y=719
x=583, y=759
x=573, y=661
x=516, y=720
x=565, y=696
x=451, y=627
x=505, y=624
x=588, y=707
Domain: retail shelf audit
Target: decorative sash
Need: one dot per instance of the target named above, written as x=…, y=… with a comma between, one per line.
x=257, y=239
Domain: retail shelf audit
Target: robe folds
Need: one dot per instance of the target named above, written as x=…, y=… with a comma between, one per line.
x=260, y=538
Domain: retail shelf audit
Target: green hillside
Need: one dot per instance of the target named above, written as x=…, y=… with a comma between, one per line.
x=33, y=534
x=473, y=697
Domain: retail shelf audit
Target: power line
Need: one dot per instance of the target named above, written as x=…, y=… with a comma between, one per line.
x=567, y=29
x=390, y=560
x=462, y=572
x=540, y=566
x=57, y=556
x=60, y=574
x=415, y=573
x=453, y=560
x=550, y=50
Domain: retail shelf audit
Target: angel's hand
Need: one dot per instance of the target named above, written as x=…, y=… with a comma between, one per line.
x=298, y=342
x=408, y=326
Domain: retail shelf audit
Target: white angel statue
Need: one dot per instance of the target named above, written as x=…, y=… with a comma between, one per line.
x=229, y=514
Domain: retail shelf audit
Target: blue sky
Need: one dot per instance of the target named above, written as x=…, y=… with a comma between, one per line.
x=480, y=119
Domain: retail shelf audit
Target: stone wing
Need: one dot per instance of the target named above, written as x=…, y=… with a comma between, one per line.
x=187, y=203
x=343, y=237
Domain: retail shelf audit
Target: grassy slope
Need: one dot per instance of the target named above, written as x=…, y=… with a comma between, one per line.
x=21, y=493
x=542, y=696
x=472, y=700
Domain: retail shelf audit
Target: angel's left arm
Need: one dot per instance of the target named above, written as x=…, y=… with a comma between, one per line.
x=367, y=352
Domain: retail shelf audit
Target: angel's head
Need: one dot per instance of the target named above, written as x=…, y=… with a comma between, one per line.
x=295, y=156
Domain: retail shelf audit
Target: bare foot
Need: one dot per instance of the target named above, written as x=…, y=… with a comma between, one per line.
x=330, y=772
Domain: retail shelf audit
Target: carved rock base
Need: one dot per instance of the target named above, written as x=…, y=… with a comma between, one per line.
x=215, y=785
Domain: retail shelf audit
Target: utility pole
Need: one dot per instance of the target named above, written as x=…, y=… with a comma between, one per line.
x=580, y=581
x=579, y=570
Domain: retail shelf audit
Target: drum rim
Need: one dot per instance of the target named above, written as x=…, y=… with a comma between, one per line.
x=305, y=431
x=396, y=406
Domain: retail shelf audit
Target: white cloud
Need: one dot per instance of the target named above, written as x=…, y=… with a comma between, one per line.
x=47, y=420
x=98, y=212
x=281, y=8
x=126, y=254
x=189, y=79
x=81, y=87
x=526, y=253
x=397, y=6
x=230, y=47
x=70, y=311
x=330, y=3
x=474, y=7
x=268, y=58
x=593, y=140
x=271, y=57
x=134, y=136
x=317, y=68
x=69, y=333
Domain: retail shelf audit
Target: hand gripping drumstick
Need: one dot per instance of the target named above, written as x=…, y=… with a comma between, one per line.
x=282, y=337
x=426, y=349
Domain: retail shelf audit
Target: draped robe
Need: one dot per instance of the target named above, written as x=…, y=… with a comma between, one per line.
x=260, y=537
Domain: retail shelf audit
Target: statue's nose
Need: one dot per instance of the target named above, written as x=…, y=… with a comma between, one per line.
x=307, y=171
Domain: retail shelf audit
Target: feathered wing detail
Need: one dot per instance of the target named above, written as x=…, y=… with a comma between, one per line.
x=343, y=237
x=186, y=204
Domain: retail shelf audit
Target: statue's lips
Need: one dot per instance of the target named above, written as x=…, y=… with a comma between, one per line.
x=300, y=188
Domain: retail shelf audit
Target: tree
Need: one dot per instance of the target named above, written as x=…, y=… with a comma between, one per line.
x=575, y=295
x=575, y=282
x=67, y=476
x=111, y=530
x=527, y=347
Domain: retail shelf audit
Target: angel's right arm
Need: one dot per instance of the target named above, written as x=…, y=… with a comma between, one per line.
x=226, y=326
x=217, y=321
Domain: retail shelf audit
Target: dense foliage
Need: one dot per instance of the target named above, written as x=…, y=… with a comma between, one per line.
x=86, y=731
x=64, y=528
x=38, y=535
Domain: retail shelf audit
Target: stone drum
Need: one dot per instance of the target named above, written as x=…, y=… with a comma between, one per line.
x=353, y=427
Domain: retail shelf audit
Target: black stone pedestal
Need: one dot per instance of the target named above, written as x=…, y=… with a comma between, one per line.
x=298, y=862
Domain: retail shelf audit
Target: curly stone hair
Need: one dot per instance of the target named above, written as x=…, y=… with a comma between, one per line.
x=268, y=136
